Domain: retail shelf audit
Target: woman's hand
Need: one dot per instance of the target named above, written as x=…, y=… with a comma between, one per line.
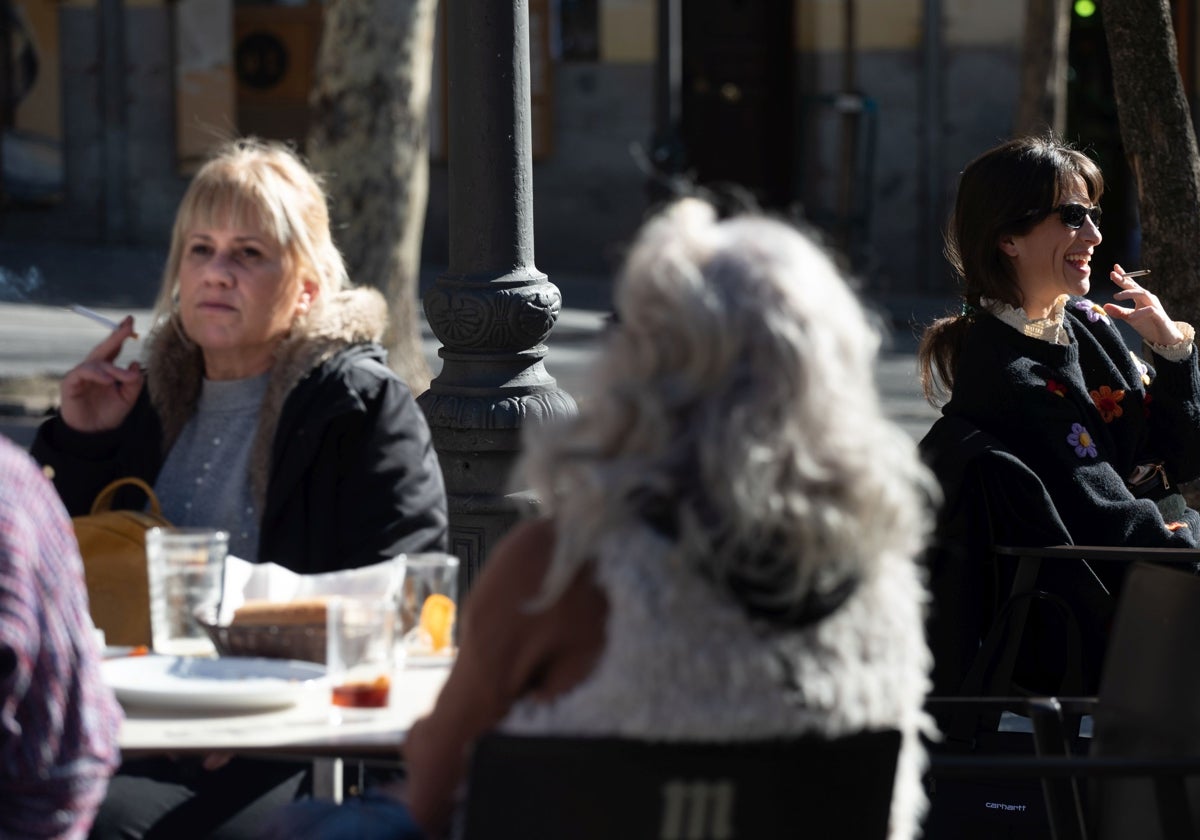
x=1147, y=315
x=97, y=395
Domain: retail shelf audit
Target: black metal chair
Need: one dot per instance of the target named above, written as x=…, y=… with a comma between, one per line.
x=604, y=788
x=1017, y=612
x=1139, y=775
x=1149, y=709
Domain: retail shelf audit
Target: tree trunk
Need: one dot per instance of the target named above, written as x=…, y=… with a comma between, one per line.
x=1043, y=96
x=1156, y=129
x=369, y=135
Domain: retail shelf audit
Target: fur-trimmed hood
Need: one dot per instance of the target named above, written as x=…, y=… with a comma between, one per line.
x=175, y=367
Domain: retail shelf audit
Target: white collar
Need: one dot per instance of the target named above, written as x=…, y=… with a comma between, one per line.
x=1049, y=329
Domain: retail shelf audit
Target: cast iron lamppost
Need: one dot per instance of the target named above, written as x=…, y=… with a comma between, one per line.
x=492, y=309
x=667, y=155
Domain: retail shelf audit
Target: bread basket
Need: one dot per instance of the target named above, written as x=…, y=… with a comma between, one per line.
x=273, y=641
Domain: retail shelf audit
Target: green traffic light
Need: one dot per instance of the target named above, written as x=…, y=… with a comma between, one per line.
x=1085, y=8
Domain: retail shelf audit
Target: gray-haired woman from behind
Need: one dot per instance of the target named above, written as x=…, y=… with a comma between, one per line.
x=730, y=528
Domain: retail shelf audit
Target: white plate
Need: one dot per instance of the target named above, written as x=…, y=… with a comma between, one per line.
x=230, y=683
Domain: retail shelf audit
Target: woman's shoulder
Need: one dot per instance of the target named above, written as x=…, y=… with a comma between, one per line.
x=997, y=376
x=357, y=372
x=989, y=349
x=342, y=336
x=365, y=362
x=989, y=337
x=352, y=316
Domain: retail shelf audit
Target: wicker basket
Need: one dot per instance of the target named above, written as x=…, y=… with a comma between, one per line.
x=273, y=641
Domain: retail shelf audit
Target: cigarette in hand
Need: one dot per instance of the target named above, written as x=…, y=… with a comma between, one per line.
x=95, y=316
x=1141, y=272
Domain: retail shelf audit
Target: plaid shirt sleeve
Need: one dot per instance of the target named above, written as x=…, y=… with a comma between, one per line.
x=58, y=721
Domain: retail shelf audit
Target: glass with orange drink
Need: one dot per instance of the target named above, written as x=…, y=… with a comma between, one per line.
x=428, y=609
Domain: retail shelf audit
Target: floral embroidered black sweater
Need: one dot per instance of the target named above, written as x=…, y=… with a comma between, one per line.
x=1083, y=416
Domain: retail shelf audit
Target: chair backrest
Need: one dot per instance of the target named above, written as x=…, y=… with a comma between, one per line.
x=593, y=788
x=1149, y=704
x=991, y=498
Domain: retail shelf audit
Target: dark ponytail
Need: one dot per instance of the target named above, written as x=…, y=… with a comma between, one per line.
x=937, y=356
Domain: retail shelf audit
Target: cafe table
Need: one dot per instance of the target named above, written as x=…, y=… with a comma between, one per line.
x=305, y=728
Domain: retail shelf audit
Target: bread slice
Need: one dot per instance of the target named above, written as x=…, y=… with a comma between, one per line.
x=303, y=611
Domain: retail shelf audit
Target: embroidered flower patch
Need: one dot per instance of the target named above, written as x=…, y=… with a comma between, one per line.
x=1094, y=311
x=1082, y=441
x=1108, y=402
x=1056, y=387
x=1142, y=367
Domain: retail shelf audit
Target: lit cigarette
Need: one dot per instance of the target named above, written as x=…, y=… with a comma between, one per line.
x=1139, y=273
x=95, y=316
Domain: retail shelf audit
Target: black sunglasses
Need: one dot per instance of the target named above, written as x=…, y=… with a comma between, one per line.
x=1072, y=215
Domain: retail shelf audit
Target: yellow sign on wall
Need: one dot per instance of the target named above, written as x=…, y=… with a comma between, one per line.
x=627, y=31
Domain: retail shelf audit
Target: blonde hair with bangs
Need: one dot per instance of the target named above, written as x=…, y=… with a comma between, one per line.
x=263, y=186
x=737, y=389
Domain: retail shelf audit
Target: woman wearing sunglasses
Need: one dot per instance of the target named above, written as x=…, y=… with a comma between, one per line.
x=1033, y=362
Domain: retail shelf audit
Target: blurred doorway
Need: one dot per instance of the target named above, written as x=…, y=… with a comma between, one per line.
x=738, y=82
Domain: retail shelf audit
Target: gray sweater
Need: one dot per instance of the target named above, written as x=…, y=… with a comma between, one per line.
x=205, y=480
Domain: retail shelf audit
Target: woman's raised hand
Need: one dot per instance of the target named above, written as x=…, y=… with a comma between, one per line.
x=97, y=394
x=1147, y=315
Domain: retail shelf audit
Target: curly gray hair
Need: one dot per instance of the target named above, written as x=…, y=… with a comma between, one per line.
x=735, y=400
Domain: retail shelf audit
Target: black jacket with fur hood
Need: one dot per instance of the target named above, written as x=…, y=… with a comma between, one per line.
x=343, y=466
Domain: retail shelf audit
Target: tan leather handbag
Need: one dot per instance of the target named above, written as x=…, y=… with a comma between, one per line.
x=113, y=546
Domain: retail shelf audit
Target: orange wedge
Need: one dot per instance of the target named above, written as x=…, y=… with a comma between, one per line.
x=437, y=619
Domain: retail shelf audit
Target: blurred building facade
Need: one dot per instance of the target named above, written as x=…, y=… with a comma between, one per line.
x=854, y=115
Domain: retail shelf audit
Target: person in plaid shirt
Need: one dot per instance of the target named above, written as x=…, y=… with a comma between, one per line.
x=58, y=721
